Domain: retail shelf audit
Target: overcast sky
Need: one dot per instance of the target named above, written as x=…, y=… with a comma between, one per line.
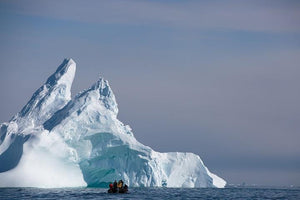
x=217, y=78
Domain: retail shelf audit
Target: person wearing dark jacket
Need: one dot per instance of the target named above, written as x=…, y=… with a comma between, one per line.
x=115, y=187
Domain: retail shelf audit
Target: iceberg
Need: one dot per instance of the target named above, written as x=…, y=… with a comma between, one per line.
x=57, y=141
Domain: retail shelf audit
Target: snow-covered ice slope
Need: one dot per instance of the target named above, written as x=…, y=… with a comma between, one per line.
x=56, y=141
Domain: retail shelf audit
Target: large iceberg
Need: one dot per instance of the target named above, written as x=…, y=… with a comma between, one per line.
x=56, y=141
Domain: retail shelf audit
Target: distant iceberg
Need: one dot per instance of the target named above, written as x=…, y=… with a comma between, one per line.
x=56, y=141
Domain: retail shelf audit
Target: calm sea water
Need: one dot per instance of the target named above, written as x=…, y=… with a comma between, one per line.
x=151, y=193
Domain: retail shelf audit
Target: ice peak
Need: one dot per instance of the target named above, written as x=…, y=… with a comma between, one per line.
x=99, y=93
x=51, y=96
x=68, y=66
x=106, y=94
x=103, y=87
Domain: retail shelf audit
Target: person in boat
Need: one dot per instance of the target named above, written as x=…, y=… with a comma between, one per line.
x=123, y=189
x=120, y=184
x=110, y=190
x=115, y=187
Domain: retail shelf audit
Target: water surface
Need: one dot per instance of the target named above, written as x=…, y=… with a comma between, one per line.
x=151, y=193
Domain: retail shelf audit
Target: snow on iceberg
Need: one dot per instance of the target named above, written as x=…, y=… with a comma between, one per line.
x=56, y=141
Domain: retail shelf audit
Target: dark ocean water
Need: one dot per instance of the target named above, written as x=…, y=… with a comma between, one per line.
x=151, y=193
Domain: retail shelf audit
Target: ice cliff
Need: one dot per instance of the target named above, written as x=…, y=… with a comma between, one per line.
x=56, y=141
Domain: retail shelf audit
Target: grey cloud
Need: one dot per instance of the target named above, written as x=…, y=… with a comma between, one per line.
x=269, y=16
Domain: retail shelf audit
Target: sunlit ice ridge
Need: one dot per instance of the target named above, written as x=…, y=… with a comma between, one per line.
x=56, y=141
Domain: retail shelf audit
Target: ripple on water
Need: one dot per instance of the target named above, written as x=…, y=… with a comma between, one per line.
x=151, y=193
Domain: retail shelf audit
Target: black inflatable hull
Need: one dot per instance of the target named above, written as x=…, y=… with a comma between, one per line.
x=117, y=191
